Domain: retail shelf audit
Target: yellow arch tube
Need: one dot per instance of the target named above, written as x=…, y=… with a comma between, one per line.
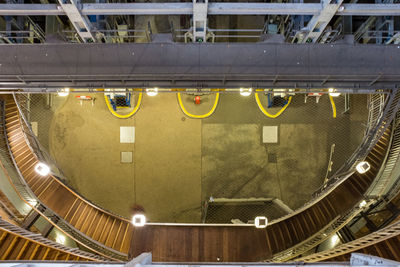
x=263, y=110
x=198, y=116
x=135, y=109
x=333, y=106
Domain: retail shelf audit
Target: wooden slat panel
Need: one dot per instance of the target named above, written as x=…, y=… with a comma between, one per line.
x=180, y=244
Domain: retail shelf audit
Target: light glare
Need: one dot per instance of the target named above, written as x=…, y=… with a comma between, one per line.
x=42, y=169
x=60, y=239
x=333, y=93
x=245, y=91
x=363, y=167
x=363, y=204
x=139, y=220
x=152, y=91
x=261, y=222
x=64, y=92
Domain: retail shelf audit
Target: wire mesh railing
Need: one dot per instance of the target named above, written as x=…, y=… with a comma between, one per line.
x=369, y=240
x=38, y=238
x=29, y=196
x=376, y=130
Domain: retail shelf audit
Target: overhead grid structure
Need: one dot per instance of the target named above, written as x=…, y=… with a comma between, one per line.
x=323, y=22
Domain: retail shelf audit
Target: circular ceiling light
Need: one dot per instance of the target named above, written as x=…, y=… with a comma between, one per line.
x=245, y=91
x=64, y=92
x=42, y=169
x=152, y=91
x=333, y=93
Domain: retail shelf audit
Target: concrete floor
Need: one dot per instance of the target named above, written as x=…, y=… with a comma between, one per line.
x=178, y=162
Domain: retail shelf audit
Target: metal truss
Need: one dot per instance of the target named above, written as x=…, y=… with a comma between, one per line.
x=186, y=8
x=79, y=21
x=316, y=26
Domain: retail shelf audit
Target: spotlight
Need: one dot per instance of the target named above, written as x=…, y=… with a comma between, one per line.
x=64, y=92
x=139, y=220
x=363, y=167
x=42, y=169
x=362, y=204
x=334, y=240
x=245, y=91
x=260, y=222
x=152, y=91
x=60, y=239
x=333, y=93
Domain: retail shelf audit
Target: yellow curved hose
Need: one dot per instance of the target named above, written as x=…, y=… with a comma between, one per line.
x=263, y=110
x=198, y=116
x=333, y=106
x=135, y=109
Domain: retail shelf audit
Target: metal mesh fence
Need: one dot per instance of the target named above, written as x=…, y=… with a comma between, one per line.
x=235, y=164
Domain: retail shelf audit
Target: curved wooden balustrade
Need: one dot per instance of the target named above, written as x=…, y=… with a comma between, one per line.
x=169, y=243
x=19, y=244
x=104, y=227
x=384, y=243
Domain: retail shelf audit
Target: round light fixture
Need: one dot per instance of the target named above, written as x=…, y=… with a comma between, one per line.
x=42, y=169
x=60, y=239
x=152, y=91
x=245, y=91
x=333, y=93
x=261, y=222
x=362, y=204
x=139, y=220
x=363, y=167
x=64, y=92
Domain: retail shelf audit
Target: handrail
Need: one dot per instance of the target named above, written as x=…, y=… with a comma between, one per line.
x=335, y=225
x=37, y=238
x=35, y=145
x=56, y=220
x=368, y=143
x=390, y=159
x=363, y=242
x=370, y=139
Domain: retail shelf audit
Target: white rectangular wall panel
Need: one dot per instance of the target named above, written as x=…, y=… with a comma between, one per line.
x=126, y=157
x=270, y=134
x=127, y=134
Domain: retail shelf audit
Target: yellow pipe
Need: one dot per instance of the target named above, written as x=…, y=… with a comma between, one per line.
x=198, y=116
x=135, y=109
x=263, y=110
x=333, y=106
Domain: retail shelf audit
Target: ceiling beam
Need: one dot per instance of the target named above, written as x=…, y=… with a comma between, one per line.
x=191, y=65
x=316, y=26
x=187, y=9
x=79, y=22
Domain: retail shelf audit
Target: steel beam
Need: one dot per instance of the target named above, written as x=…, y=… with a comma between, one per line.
x=78, y=21
x=172, y=65
x=186, y=8
x=316, y=26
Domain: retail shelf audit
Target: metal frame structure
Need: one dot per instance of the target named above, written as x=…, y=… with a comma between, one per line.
x=262, y=65
x=186, y=8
